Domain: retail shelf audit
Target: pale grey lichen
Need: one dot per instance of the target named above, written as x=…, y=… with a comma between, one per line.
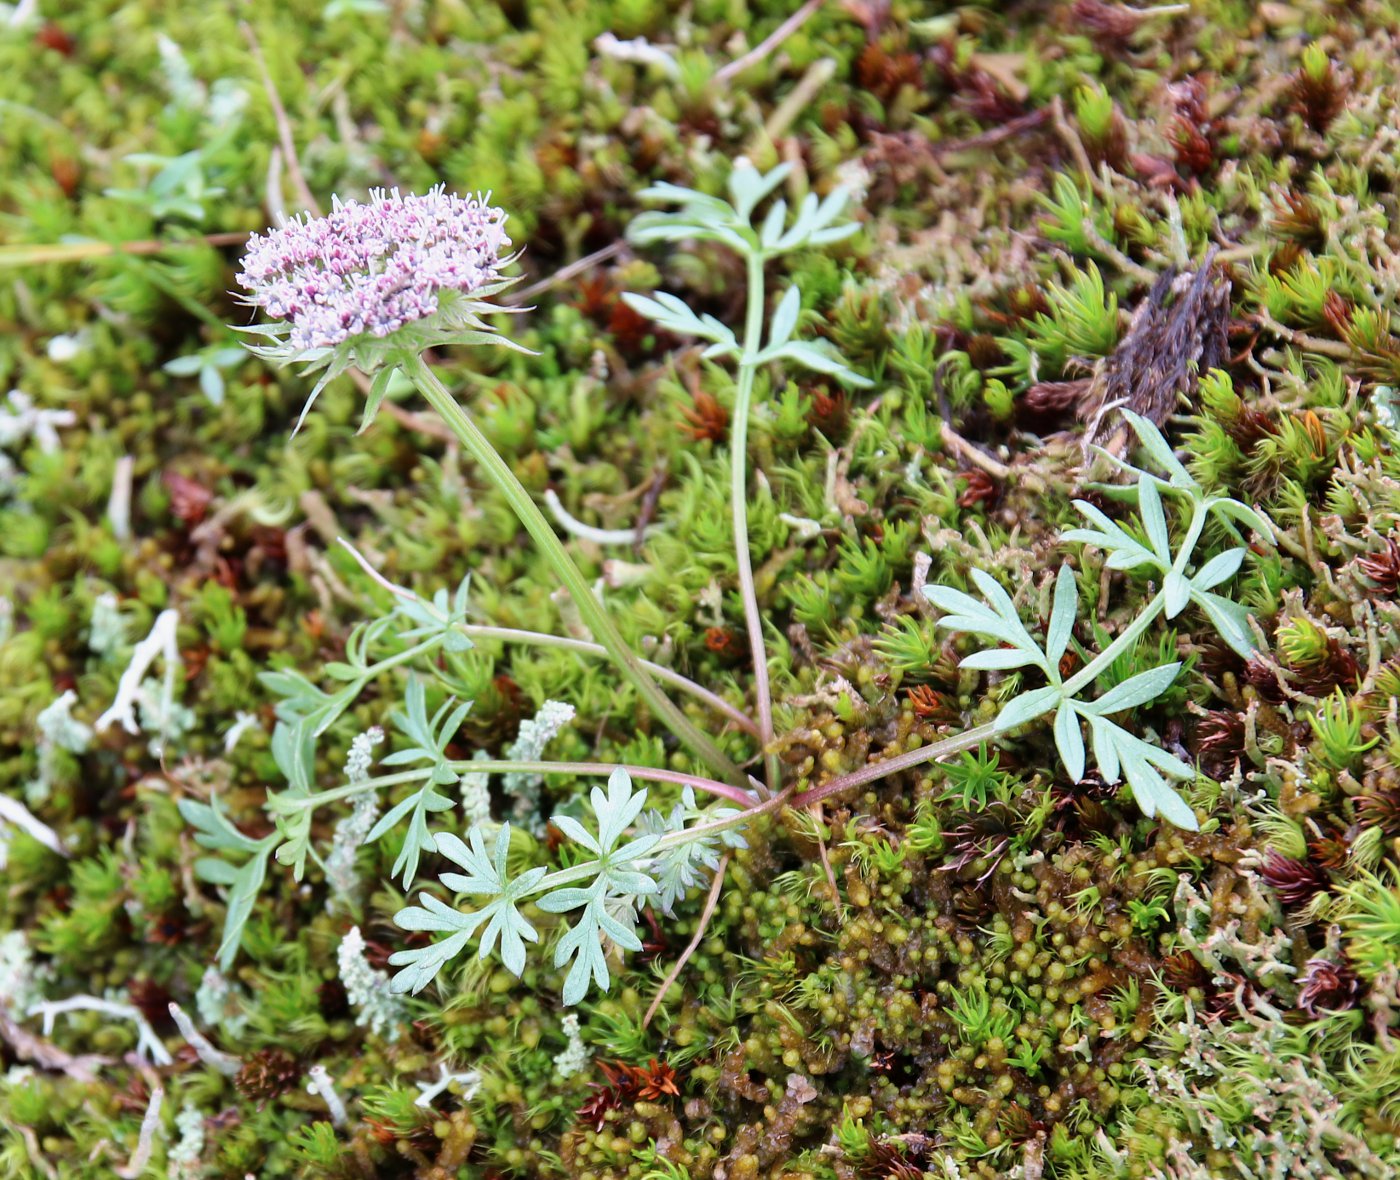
x=377, y=1008
x=574, y=1057
x=351, y=831
x=529, y=746
x=221, y=1004
x=183, y=1161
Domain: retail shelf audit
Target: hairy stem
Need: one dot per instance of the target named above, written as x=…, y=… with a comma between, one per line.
x=711, y=901
x=590, y=609
x=878, y=770
x=511, y=766
x=738, y=496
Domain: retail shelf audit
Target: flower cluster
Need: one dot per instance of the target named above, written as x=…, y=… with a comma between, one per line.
x=371, y=269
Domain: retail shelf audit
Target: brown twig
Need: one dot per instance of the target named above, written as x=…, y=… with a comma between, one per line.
x=816, y=813
x=284, y=125
x=81, y=251
x=46, y=1055
x=1016, y=126
x=769, y=43
x=564, y=274
x=955, y=442
x=1070, y=138
x=711, y=900
x=1332, y=348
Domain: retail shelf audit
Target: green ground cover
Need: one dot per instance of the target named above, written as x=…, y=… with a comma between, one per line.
x=998, y=964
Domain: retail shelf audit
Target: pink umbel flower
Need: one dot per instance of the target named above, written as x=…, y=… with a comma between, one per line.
x=370, y=284
x=373, y=268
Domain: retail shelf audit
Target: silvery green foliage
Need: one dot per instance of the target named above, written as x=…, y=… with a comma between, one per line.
x=630, y=858
x=487, y=876
x=214, y=831
x=429, y=738
x=427, y=625
x=682, y=867
x=1118, y=753
x=416, y=626
x=701, y=217
x=1179, y=586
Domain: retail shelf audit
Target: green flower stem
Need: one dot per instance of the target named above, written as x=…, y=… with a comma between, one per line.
x=590, y=609
x=664, y=674
x=738, y=495
x=878, y=770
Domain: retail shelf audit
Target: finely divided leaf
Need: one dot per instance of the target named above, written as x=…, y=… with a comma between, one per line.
x=1124, y=552
x=1136, y=690
x=1230, y=619
x=1154, y=520
x=785, y=317
x=1160, y=450
x=1178, y=593
x=1219, y=568
x=1027, y=707
x=1062, y=615
x=747, y=186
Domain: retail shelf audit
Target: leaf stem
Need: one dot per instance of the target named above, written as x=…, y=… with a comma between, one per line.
x=602, y=769
x=662, y=673
x=1129, y=636
x=542, y=639
x=594, y=616
x=738, y=495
